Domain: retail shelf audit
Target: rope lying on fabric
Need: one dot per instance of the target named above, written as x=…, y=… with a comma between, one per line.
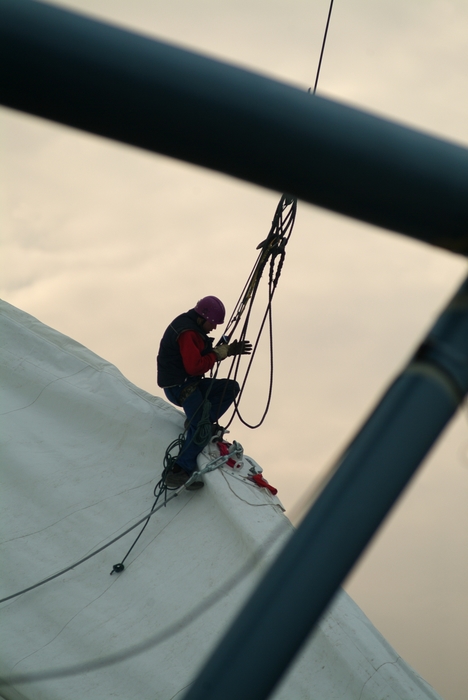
x=161, y=487
x=211, y=466
x=202, y=436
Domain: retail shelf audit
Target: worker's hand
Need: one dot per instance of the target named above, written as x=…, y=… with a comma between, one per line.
x=239, y=347
x=221, y=352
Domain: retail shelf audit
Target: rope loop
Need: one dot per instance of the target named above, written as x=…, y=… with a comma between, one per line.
x=272, y=253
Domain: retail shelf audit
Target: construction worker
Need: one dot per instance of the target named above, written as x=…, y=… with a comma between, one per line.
x=185, y=354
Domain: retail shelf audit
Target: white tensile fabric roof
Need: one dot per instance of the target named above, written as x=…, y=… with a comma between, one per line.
x=82, y=451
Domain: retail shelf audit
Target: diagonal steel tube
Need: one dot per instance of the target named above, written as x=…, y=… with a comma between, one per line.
x=368, y=479
x=71, y=69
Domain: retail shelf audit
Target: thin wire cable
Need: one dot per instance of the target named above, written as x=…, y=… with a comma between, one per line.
x=117, y=568
x=323, y=47
x=201, y=436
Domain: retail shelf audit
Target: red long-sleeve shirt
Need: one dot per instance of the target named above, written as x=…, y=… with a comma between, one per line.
x=191, y=346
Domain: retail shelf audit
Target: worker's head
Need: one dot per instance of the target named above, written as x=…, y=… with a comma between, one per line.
x=212, y=310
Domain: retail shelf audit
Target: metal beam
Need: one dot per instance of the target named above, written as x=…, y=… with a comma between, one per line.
x=372, y=473
x=92, y=76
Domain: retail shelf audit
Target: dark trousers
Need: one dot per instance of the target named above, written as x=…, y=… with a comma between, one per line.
x=220, y=393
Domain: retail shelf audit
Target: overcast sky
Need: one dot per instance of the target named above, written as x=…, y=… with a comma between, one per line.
x=107, y=244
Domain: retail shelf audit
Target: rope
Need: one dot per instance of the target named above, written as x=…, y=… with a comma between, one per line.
x=203, y=432
x=272, y=251
x=211, y=466
x=201, y=437
x=174, y=628
x=93, y=554
x=323, y=47
x=274, y=246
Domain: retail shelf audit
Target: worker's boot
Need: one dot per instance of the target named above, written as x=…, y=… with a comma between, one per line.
x=177, y=477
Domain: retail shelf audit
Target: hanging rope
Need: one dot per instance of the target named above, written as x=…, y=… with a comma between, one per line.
x=272, y=252
x=323, y=47
x=273, y=249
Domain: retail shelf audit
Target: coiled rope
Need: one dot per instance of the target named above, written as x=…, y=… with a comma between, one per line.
x=272, y=253
x=272, y=249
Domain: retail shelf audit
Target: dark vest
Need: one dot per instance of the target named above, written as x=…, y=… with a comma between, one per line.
x=171, y=370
